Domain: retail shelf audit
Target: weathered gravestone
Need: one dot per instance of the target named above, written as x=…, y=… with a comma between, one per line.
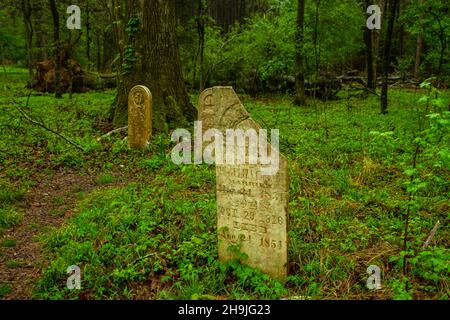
x=252, y=208
x=139, y=117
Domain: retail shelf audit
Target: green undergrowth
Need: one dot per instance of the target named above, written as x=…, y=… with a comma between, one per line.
x=148, y=228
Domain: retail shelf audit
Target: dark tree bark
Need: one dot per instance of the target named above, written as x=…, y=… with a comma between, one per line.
x=401, y=32
x=227, y=12
x=185, y=10
x=300, y=95
x=88, y=34
x=150, y=57
x=27, y=11
x=392, y=7
x=315, y=38
x=109, y=52
x=418, y=62
x=201, y=36
x=41, y=34
x=377, y=54
x=57, y=47
x=98, y=51
x=443, y=42
x=419, y=47
x=369, y=40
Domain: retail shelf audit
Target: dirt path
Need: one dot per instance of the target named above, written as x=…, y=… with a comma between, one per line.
x=49, y=204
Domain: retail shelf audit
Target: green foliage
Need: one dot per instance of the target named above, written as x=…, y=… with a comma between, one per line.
x=426, y=176
x=8, y=243
x=79, y=119
x=431, y=19
x=432, y=265
x=105, y=179
x=132, y=27
x=147, y=228
x=264, y=46
x=124, y=235
x=14, y=264
x=347, y=196
x=5, y=289
x=9, y=193
x=9, y=217
x=130, y=59
x=12, y=43
x=357, y=179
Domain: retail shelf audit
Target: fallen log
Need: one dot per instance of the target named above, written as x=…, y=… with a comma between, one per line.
x=97, y=81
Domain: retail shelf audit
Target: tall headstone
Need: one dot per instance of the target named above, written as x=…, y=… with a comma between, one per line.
x=252, y=208
x=139, y=117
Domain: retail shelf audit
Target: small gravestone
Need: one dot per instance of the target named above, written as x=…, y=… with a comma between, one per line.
x=139, y=117
x=252, y=208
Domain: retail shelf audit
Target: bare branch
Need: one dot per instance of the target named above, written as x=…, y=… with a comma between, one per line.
x=112, y=132
x=26, y=116
x=431, y=236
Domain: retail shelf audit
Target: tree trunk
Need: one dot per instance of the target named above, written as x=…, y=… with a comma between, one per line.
x=227, y=12
x=57, y=50
x=392, y=6
x=315, y=38
x=88, y=35
x=369, y=40
x=300, y=96
x=443, y=42
x=201, y=35
x=41, y=38
x=98, y=51
x=401, y=32
x=151, y=58
x=419, y=49
x=27, y=11
x=376, y=36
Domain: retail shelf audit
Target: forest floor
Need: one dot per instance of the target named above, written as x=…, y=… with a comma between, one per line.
x=44, y=206
x=140, y=227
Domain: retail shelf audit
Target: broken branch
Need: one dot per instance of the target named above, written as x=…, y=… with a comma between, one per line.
x=112, y=132
x=31, y=120
x=431, y=236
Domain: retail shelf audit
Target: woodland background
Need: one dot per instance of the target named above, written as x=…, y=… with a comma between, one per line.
x=364, y=123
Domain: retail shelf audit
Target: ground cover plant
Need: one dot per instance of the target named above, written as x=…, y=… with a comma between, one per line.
x=141, y=227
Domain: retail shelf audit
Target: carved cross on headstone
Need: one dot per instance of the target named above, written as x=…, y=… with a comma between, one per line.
x=139, y=117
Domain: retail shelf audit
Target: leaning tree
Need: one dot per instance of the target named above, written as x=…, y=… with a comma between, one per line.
x=149, y=55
